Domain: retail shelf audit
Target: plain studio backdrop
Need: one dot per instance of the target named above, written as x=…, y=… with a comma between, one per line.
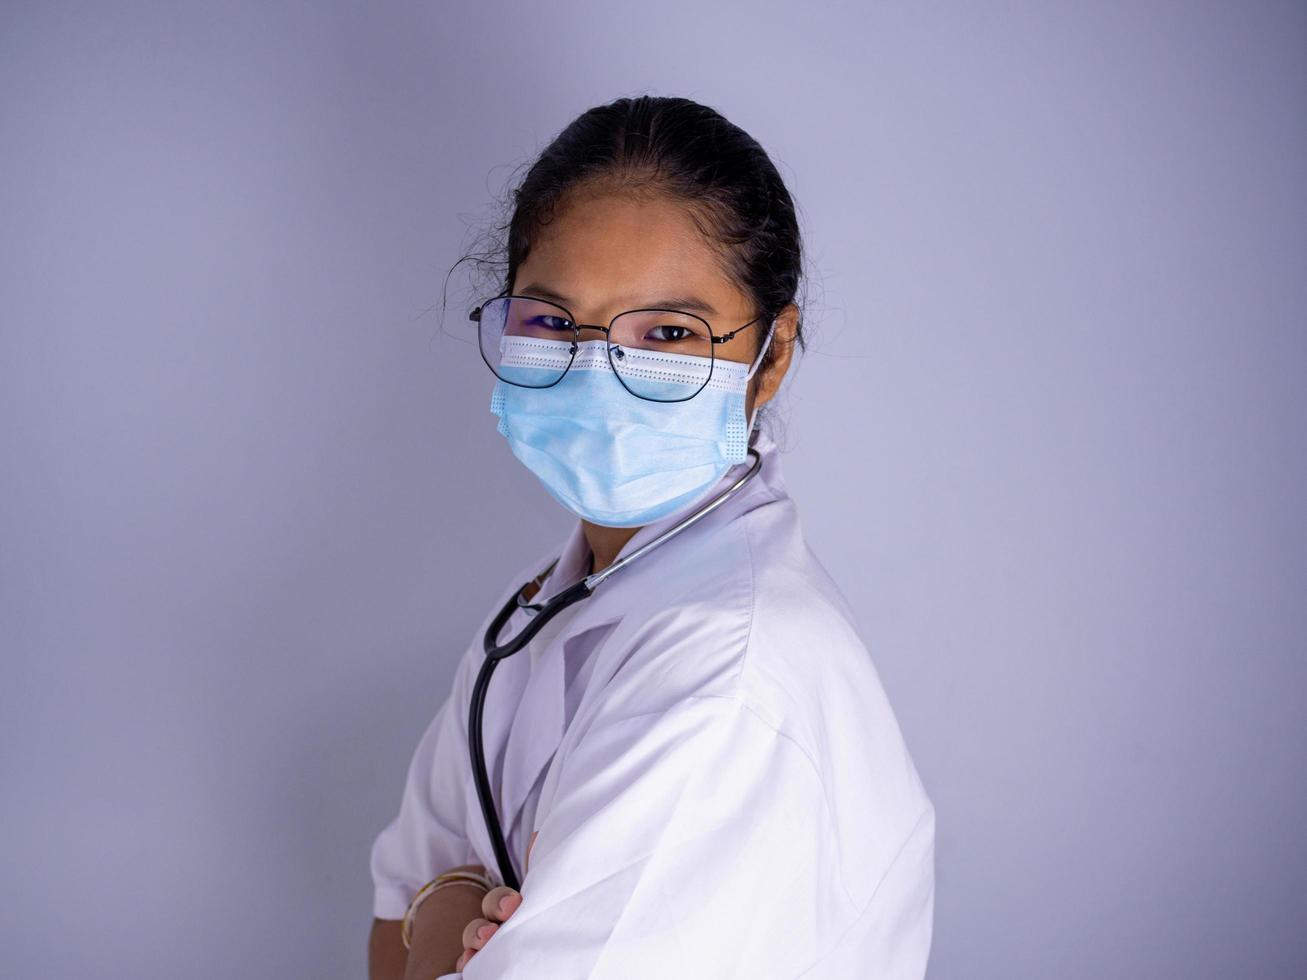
x=1048, y=439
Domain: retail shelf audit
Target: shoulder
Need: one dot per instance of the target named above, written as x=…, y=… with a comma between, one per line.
x=752, y=626
x=808, y=672
x=746, y=612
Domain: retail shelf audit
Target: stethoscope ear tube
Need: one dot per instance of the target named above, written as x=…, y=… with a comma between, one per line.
x=482, y=780
x=494, y=654
x=552, y=608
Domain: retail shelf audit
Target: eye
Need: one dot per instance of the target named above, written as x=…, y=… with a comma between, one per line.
x=559, y=324
x=670, y=333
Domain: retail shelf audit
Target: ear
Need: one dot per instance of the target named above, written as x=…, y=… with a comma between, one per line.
x=768, y=380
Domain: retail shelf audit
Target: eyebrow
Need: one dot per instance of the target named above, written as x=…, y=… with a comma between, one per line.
x=691, y=304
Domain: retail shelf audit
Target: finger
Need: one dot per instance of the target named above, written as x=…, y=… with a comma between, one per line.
x=508, y=905
x=490, y=903
x=466, y=955
x=476, y=932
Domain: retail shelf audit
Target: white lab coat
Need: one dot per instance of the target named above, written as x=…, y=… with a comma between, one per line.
x=720, y=787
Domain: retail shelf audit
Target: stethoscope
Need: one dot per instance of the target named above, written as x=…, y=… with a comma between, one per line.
x=544, y=613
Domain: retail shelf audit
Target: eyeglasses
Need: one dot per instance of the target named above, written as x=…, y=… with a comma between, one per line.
x=659, y=355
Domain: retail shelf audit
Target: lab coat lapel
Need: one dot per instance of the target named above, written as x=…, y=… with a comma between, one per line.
x=536, y=732
x=537, y=726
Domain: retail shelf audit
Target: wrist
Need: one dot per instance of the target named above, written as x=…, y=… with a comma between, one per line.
x=437, y=930
x=450, y=879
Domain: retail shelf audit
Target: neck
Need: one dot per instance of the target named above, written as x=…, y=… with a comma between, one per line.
x=605, y=542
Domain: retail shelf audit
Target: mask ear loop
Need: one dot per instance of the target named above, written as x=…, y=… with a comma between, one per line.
x=753, y=416
x=762, y=353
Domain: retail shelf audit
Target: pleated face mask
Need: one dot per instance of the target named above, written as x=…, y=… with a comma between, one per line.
x=608, y=456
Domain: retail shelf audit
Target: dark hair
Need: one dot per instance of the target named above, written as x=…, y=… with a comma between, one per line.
x=677, y=148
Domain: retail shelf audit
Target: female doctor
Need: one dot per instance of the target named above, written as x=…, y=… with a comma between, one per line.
x=691, y=769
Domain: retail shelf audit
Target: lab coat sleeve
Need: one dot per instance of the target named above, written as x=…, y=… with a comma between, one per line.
x=693, y=842
x=427, y=836
x=895, y=929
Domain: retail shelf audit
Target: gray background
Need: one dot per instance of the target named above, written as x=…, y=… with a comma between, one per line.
x=1048, y=440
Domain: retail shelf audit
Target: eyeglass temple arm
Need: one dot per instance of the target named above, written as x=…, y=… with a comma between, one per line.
x=766, y=340
x=731, y=336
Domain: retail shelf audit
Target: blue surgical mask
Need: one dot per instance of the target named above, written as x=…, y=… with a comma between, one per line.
x=615, y=459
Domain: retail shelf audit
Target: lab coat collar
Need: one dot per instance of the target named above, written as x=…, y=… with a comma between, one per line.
x=574, y=558
x=766, y=484
x=573, y=563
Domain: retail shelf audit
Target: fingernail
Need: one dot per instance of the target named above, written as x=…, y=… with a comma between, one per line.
x=503, y=905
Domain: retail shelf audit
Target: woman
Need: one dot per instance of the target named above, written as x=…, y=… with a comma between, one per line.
x=696, y=769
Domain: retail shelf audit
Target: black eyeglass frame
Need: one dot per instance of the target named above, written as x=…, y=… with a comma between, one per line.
x=475, y=316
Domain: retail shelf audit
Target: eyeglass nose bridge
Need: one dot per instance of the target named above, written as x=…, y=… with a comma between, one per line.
x=578, y=327
x=609, y=345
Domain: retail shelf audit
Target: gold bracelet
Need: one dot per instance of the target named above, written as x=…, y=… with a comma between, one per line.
x=435, y=884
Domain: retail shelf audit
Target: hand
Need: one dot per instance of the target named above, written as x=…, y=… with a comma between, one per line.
x=497, y=906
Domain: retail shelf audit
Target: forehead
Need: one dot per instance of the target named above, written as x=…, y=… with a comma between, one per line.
x=610, y=251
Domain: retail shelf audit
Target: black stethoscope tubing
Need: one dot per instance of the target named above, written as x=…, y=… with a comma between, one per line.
x=497, y=652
